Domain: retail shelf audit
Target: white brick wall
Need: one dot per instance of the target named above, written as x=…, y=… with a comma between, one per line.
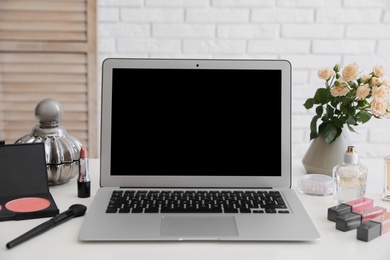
x=312, y=34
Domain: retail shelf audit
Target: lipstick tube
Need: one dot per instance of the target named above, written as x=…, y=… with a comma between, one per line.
x=352, y=220
x=350, y=206
x=83, y=180
x=374, y=228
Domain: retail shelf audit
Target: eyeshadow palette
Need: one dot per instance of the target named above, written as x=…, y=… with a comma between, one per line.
x=24, y=189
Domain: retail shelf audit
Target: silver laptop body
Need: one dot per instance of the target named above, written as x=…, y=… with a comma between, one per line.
x=196, y=125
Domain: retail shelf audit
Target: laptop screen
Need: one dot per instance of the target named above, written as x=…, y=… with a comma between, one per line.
x=195, y=122
x=171, y=121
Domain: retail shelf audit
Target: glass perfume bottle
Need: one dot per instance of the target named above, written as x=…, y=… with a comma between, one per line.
x=386, y=186
x=350, y=177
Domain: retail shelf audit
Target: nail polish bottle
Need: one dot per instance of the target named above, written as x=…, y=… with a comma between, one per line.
x=350, y=177
x=374, y=228
x=352, y=220
x=349, y=206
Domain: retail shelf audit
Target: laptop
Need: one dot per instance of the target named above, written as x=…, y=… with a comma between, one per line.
x=186, y=154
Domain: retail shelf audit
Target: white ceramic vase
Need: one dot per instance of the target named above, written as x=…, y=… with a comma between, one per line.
x=321, y=157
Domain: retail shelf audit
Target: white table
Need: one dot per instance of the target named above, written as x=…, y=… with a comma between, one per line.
x=61, y=243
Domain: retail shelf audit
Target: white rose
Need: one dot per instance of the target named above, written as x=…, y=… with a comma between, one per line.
x=378, y=107
x=379, y=92
x=362, y=92
x=379, y=71
x=337, y=91
x=386, y=82
x=326, y=73
x=366, y=77
x=387, y=112
x=350, y=72
x=375, y=81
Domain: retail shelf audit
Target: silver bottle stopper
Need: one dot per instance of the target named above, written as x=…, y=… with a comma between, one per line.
x=62, y=150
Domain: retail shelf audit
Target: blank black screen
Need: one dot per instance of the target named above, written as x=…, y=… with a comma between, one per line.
x=195, y=122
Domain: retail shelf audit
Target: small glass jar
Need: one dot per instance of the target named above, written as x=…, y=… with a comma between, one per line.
x=386, y=185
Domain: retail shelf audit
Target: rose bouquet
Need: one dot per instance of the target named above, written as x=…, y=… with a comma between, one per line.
x=348, y=98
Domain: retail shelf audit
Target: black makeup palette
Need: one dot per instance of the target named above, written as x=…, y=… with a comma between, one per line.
x=24, y=189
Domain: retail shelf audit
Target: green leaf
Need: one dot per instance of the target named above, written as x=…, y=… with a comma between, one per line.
x=363, y=116
x=321, y=96
x=330, y=133
x=309, y=103
x=351, y=129
x=319, y=111
x=330, y=111
x=364, y=103
x=313, y=135
x=337, y=122
x=333, y=100
x=351, y=120
x=313, y=127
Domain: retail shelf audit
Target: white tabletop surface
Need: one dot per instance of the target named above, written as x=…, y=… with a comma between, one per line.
x=61, y=242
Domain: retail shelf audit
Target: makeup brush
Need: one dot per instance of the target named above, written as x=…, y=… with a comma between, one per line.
x=74, y=211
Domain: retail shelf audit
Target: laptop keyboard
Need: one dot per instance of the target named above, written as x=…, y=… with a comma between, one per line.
x=192, y=201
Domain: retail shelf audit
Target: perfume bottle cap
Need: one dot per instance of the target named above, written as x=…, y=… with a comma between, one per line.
x=351, y=156
x=368, y=231
x=338, y=210
x=348, y=221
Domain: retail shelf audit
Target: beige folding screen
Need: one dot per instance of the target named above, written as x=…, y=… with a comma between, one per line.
x=48, y=49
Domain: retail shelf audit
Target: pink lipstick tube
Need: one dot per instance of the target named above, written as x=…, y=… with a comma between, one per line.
x=352, y=220
x=83, y=180
x=374, y=228
x=350, y=206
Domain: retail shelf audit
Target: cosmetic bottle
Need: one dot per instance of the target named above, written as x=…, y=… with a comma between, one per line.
x=352, y=220
x=374, y=228
x=350, y=177
x=61, y=148
x=386, y=186
x=349, y=206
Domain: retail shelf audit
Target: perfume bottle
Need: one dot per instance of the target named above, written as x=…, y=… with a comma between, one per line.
x=350, y=177
x=386, y=186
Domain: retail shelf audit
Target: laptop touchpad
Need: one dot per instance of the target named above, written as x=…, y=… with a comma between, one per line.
x=198, y=226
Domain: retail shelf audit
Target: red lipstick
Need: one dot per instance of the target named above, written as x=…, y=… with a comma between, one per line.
x=83, y=180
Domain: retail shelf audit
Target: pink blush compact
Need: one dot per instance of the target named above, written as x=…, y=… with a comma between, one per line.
x=27, y=204
x=24, y=186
